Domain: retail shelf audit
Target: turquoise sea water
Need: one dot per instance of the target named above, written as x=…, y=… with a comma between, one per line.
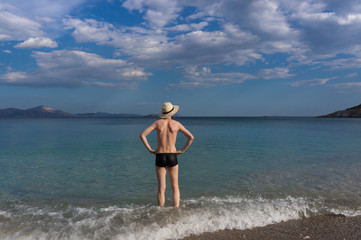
x=93, y=178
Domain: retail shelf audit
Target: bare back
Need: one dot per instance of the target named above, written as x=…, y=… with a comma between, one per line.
x=167, y=130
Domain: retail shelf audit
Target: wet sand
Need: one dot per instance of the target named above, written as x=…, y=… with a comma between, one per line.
x=318, y=227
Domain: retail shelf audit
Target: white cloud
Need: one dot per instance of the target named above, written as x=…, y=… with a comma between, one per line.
x=147, y=47
x=91, y=30
x=343, y=63
x=42, y=10
x=203, y=77
x=188, y=27
x=66, y=68
x=313, y=82
x=158, y=13
x=38, y=42
x=349, y=19
x=348, y=85
x=139, y=43
x=46, y=19
x=351, y=75
x=15, y=27
x=198, y=77
x=241, y=37
x=323, y=81
x=269, y=19
x=4, y=37
x=322, y=33
x=7, y=51
x=272, y=73
x=326, y=28
x=205, y=8
x=13, y=77
x=264, y=18
x=134, y=4
x=316, y=11
x=20, y=20
x=308, y=30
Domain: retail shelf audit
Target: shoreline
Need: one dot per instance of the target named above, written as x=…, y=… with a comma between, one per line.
x=316, y=227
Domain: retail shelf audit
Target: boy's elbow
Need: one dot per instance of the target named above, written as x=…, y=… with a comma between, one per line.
x=191, y=138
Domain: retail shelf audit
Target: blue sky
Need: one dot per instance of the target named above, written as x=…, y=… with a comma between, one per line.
x=213, y=58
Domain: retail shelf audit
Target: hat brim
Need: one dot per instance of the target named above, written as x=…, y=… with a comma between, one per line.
x=162, y=115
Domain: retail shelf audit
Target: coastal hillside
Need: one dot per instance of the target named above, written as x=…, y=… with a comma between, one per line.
x=36, y=112
x=47, y=112
x=353, y=112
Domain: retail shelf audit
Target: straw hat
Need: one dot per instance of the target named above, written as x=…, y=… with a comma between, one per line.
x=168, y=110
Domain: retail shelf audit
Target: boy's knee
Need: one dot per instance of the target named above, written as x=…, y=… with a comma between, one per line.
x=161, y=189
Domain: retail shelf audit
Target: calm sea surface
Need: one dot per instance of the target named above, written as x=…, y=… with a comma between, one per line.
x=94, y=179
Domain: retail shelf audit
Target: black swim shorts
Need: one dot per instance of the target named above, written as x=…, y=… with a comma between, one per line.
x=166, y=159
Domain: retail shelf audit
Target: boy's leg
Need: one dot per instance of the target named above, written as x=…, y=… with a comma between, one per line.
x=161, y=172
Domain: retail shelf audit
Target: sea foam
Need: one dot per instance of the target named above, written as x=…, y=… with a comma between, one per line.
x=195, y=216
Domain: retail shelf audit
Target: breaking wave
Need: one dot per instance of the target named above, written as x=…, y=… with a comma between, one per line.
x=195, y=216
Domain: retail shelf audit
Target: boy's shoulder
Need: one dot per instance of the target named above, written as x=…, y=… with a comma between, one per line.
x=161, y=121
x=177, y=123
x=158, y=121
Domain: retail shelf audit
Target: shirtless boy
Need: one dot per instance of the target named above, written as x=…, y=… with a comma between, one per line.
x=166, y=152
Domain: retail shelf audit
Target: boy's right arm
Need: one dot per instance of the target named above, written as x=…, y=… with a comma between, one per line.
x=143, y=137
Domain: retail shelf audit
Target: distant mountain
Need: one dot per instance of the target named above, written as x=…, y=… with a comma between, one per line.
x=47, y=112
x=353, y=112
x=152, y=116
x=36, y=112
x=106, y=115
